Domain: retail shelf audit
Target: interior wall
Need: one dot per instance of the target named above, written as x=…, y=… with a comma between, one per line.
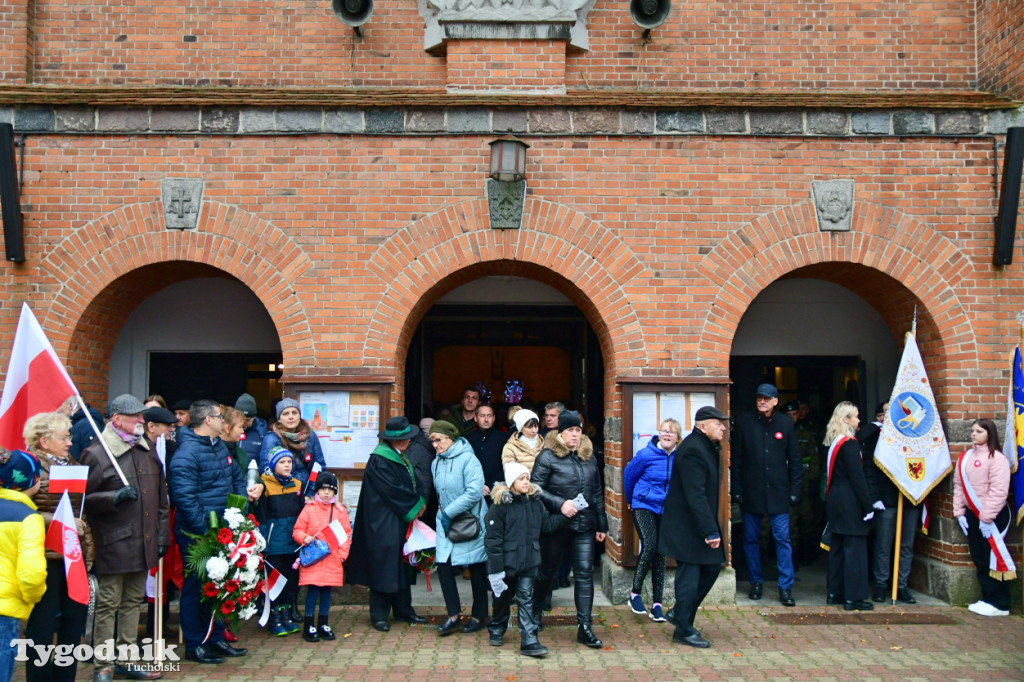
x=803, y=316
x=208, y=314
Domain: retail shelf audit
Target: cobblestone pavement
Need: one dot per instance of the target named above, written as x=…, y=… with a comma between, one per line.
x=748, y=643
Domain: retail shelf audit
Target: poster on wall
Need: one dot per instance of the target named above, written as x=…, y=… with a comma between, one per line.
x=651, y=409
x=345, y=423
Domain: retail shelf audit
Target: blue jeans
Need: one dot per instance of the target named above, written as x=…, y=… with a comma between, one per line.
x=9, y=628
x=324, y=593
x=783, y=549
x=194, y=613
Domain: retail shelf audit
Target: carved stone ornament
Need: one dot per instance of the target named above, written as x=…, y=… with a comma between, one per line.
x=833, y=200
x=504, y=19
x=505, y=202
x=182, y=199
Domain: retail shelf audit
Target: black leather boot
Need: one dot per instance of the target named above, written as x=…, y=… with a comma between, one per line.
x=585, y=635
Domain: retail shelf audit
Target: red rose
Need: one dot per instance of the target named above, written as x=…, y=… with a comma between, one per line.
x=211, y=590
x=224, y=536
x=230, y=586
x=228, y=607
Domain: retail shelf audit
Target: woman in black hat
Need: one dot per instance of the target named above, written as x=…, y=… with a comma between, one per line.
x=388, y=502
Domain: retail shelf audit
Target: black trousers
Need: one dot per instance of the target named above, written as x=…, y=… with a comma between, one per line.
x=692, y=584
x=648, y=526
x=995, y=592
x=848, y=566
x=521, y=587
x=450, y=589
x=383, y=603
x=581, y=548
x=55, y=614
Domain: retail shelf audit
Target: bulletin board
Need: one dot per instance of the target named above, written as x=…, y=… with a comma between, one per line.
x=346, y=419
x=645, y=406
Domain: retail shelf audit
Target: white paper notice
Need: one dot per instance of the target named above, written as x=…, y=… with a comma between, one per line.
x=645, y=419
x=364, y=417
x=673, y=406
x=339, y=448
x=697, y=401
x=350, y=493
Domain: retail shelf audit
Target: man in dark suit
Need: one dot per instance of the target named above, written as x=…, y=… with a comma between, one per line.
x=689, y=528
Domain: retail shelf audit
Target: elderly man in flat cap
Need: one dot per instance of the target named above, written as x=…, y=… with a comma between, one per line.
x=130, y=525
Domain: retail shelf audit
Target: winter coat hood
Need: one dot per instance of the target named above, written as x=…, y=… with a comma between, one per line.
x=502, y=494
x=553, y=442
x=460, y=446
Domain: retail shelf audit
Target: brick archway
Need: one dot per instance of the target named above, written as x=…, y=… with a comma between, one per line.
x=123, y=256
x=556, y=245
x=891, y=259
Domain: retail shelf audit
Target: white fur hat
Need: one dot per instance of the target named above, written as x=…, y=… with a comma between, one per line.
x=514, y=470
x=522, y=416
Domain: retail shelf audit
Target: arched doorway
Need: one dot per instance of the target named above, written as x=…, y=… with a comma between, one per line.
x=501, y=329
x=180, y=329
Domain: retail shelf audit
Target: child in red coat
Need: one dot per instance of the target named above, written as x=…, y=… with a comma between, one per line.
x=315, y=522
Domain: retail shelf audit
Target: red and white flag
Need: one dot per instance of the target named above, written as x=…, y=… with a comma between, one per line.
x=335, y=535
x=272, y=586
x=36, y=380
x=62, y=537
x=314, y=472
x=68, y=479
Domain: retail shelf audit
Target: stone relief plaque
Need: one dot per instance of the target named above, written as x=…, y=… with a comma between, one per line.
x=505, y=202
x=182, y=198
x=833, y=203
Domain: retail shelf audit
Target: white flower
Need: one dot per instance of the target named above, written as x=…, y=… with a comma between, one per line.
x=261, y=544
x=217, y=568
x=247, y=611
x=252, y=563
x=233, y=517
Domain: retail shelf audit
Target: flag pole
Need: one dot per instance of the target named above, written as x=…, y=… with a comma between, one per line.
x=99, y=437
x=896, y=551
x=158, y=612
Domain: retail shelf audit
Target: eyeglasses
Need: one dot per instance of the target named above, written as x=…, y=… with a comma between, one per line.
x=435, y=441
x=216, y=416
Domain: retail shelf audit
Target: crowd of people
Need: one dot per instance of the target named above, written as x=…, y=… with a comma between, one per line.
x=512, y=508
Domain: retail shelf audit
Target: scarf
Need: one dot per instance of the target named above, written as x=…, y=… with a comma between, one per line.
x=532, y=442
x=130, y=438
x=295, y=440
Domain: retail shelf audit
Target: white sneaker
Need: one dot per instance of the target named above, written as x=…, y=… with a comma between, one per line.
x=986, y=609
x=973, y=608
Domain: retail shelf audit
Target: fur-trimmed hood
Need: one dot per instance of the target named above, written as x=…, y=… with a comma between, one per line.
x=557, y=446
x=501, y=494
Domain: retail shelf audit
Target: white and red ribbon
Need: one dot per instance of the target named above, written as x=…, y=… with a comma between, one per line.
x=1000, y=566
x=833, y=451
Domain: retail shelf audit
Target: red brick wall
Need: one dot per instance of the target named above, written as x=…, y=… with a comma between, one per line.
x=868, y=44
x=17, y=48
x=1001, y=47
x=516, y=65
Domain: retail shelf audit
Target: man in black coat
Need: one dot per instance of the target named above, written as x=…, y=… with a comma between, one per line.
x=689, y=527
x=388, y=502
x=767, y=469
x=488, y=442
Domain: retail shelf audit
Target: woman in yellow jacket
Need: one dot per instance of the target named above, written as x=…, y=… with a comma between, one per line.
x=22, y=563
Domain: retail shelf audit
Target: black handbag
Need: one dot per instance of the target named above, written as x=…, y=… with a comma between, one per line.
x=464, y=527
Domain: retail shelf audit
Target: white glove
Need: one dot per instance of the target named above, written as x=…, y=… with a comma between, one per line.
x=878, y=505
x=986, y=529
x=497, y=581
x=963, y=523
x=870, y=516
x=580, y=502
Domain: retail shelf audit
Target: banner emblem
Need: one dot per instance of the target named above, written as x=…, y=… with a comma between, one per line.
x=910, y=414
x=915, y=468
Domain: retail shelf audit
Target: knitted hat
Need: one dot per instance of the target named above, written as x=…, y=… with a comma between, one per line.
x=425, y=423
x=569, y=419
x=246, y=404
x=126, y=403
x=327, y=480
x=514, y=470
x=523, y=416
x=277, y=454
x=445, y=429
x=285, y=404
x=19, y=470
